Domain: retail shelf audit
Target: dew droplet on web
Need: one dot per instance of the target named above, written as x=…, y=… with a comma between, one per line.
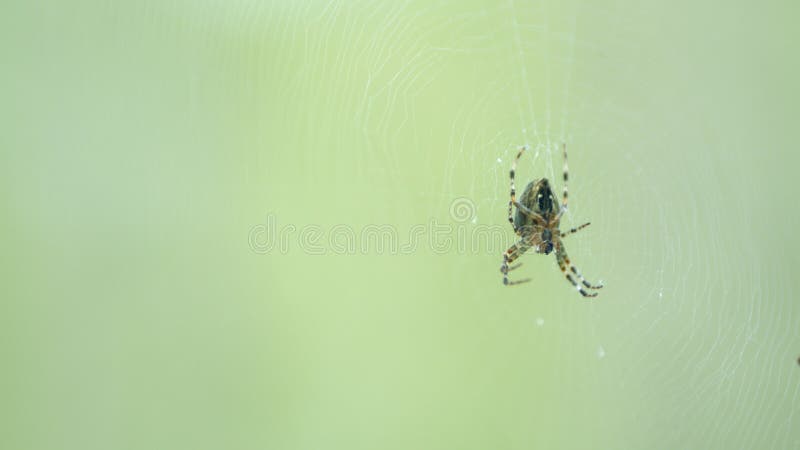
x=601, y=353
x=539, y=321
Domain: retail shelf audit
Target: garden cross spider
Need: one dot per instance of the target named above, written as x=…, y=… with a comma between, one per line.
x=536, y=223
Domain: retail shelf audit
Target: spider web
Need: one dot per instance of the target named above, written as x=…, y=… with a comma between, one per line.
x=693, y=341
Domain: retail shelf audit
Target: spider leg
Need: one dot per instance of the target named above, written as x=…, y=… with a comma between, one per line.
x=564, y=199
x=525, y=210
x=513, y=201
x=563, y=263
x=510, y=256
x=575, y=230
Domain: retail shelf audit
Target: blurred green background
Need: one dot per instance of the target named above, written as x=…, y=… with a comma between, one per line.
x=162, y=163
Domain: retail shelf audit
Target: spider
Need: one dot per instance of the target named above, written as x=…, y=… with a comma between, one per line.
x=536, y=223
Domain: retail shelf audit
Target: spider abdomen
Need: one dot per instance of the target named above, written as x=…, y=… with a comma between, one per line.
x=539, y=198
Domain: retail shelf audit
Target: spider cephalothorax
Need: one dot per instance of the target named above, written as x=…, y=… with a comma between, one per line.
x=536, y=222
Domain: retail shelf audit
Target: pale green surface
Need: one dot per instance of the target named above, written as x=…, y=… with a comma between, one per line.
x=142, y=143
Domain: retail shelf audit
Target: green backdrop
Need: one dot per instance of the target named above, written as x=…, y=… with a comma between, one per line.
x=278, y=225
